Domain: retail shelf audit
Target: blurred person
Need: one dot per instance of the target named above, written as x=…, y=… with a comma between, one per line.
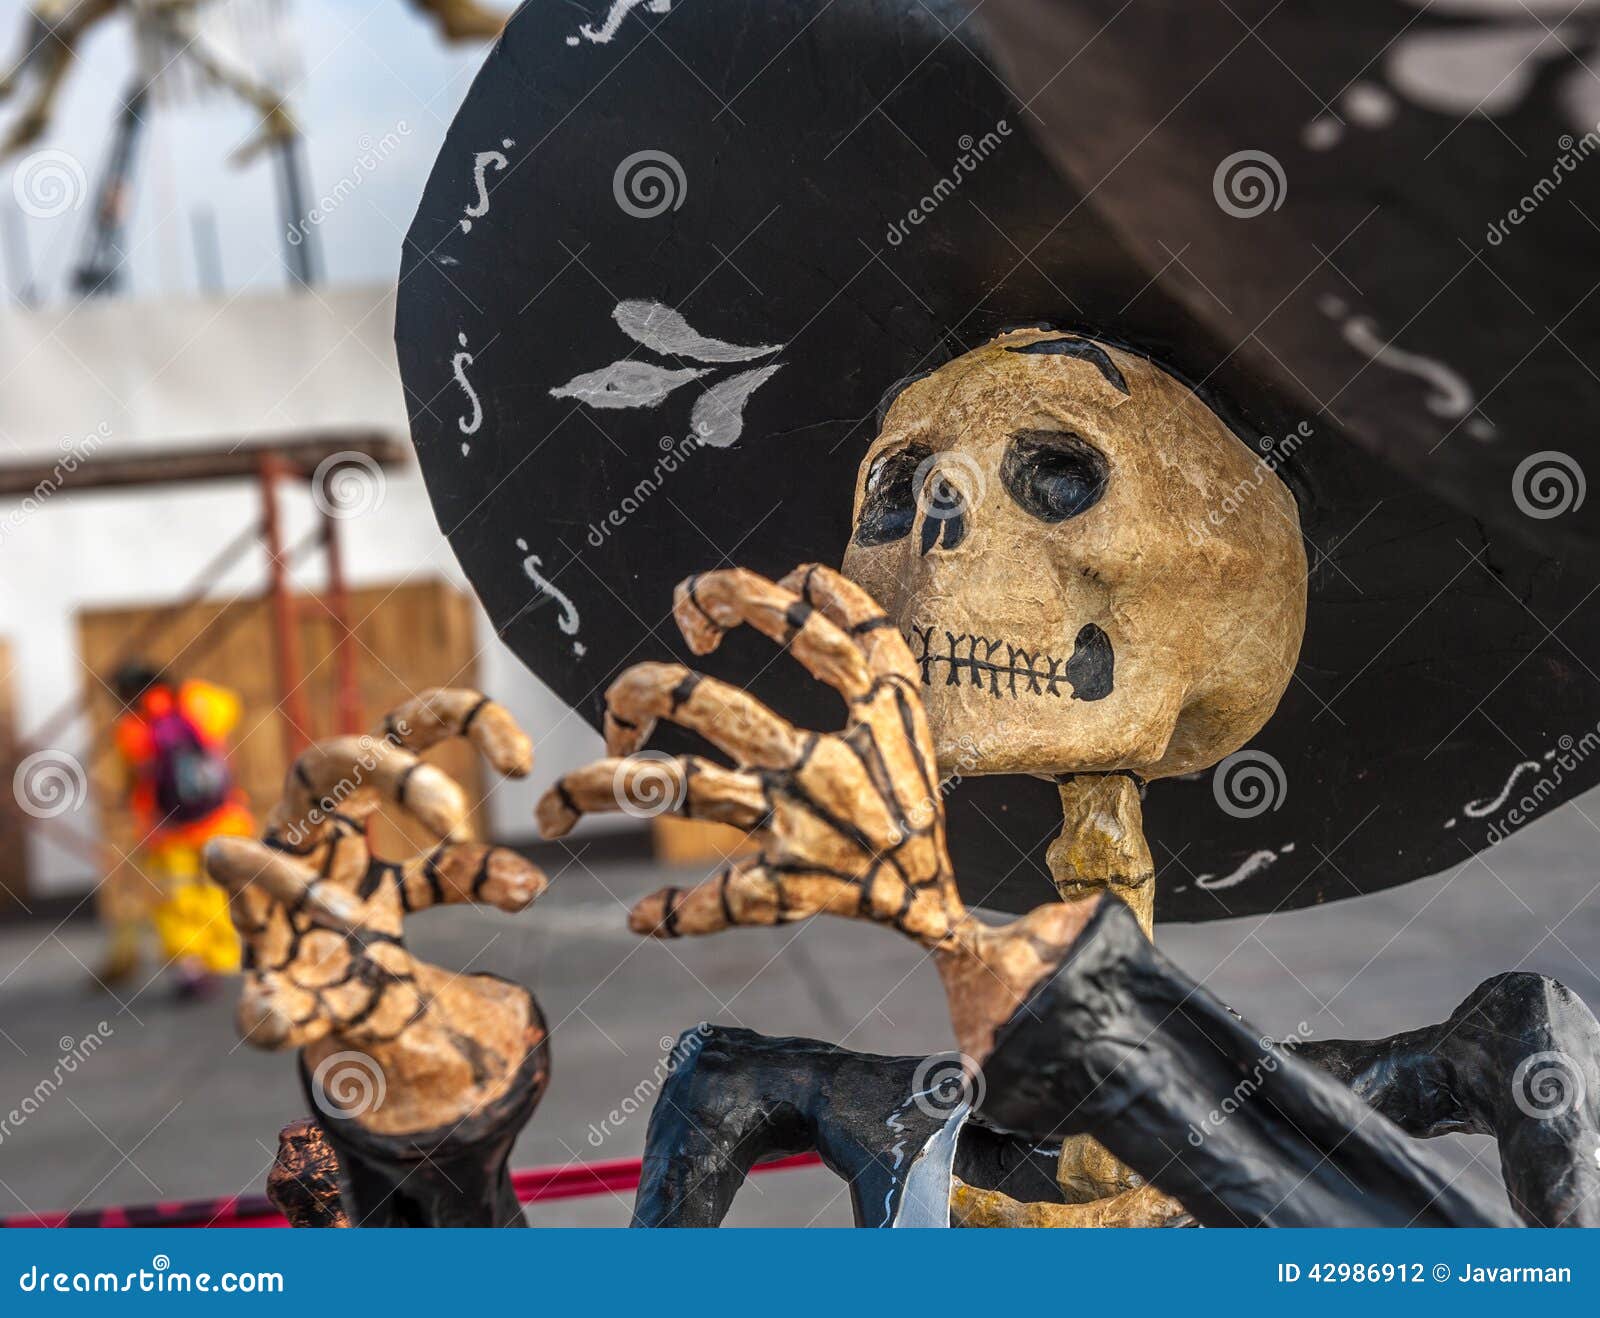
x=172, y=738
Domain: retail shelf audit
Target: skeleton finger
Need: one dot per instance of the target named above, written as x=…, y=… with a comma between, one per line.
x=733, y=721
x=841, y=601
x=444, y=712
x=325, y=778
x=743, y=893
x=747, y=892
x=689, y=786
x=713, y=603
x=239, y=863
x=471, y=872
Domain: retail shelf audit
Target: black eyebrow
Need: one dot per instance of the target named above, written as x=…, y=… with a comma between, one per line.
x=1084, y=350
x=895, y=390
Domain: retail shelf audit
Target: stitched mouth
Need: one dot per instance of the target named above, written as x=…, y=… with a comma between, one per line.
x=946, y=657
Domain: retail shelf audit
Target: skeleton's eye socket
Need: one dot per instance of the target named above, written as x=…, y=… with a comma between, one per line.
x=1053, y=474
x=889, y=507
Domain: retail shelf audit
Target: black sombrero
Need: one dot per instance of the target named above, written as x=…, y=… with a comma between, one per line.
x=650, y=218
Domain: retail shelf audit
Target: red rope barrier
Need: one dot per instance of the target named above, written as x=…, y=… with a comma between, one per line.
x=534, y=1185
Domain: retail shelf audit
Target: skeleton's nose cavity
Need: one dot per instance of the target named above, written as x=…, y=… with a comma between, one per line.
x=945, y=507
x=951, y=529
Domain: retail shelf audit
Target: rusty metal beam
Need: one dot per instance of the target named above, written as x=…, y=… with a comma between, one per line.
x=178, y=466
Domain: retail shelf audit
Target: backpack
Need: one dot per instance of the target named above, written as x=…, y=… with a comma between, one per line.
x=190, y=778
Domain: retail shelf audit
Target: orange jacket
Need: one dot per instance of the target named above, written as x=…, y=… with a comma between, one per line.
x=213, y=711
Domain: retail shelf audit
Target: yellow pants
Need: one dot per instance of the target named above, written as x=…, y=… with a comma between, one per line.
x=192, y=916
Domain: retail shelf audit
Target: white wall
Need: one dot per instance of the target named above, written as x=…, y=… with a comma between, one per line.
x=148, y=375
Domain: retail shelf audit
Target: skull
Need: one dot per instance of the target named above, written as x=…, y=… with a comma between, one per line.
x=1093, y=572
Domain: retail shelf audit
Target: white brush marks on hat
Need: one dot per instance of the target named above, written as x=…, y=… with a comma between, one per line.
x=481, y=164
x=717, y=419
x=1449, y=396
x=568, y=619
x=1248, y=868
x=664, y=330
x=626, y=384
x=1485, y=63
x=468, y=425
x=718, y=416
x=620, y=9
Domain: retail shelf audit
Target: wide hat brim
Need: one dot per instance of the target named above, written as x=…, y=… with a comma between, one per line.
x=783, y=153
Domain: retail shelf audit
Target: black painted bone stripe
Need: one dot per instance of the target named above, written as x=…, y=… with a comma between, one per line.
x=275, y=842
x=430, y=871
x=725, y=878
x=669, y=917
x=566, y=796
x=805, y=584
x=691, y=766
x=682, y=692
x=800, y=869
x=906, y=899
x=795, y=618
x=876, y=768
x=908, y=725
x=868, y=882
x=473, y=713
x=375, y=874
x=369, y=1008
x=806, y=751
x=481, y=878
x=871, y=624
x=404, y=781
x=801, y=797
x=693, y=587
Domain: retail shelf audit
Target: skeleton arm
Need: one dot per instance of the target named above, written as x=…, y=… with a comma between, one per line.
x=849, y=824
x=1519, y=1059
x=1120, y=1044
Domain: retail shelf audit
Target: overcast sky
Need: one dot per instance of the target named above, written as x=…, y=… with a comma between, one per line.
x=378, y=91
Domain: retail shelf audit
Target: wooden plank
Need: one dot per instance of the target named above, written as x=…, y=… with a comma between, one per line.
x=407, y=638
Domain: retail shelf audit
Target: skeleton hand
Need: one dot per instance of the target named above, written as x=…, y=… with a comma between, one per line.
x=849, y=823
x=322, y=917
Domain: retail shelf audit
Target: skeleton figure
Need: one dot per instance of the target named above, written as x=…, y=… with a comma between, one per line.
x=1025, y=517
x=850, y=823
x=53, y=29
x=420, y=1077
x=1096, y=577
x=1062, y=530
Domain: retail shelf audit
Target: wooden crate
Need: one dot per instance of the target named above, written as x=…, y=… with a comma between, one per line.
x=407, y=638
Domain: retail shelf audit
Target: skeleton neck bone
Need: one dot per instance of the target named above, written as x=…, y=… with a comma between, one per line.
x=1102, y=846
